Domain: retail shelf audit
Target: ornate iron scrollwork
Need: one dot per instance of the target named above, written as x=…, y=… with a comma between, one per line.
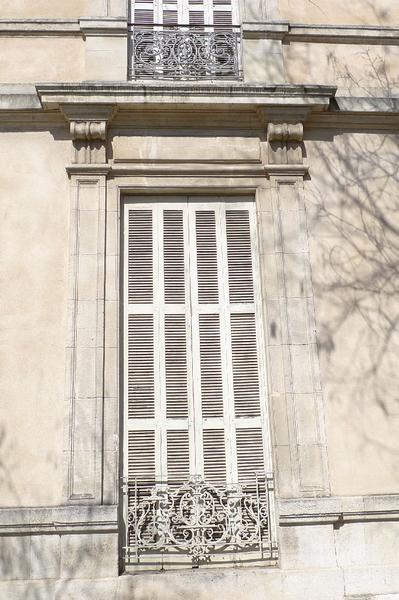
x=185, y=53
x=197, y=519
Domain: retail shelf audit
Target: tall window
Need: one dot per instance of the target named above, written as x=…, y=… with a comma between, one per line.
x=195, y=396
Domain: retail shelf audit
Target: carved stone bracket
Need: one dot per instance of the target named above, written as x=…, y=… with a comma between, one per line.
x=285, y=143
x=88, y=128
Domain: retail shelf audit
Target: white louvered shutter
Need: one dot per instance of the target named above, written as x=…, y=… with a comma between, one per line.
x=157, y=345
x=197, y=13
x=195, y=392
x=228, y=374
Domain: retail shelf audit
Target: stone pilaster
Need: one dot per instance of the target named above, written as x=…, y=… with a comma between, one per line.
x=296, y=400
x=85, y=396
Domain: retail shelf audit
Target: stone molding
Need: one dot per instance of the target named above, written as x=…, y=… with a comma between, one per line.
x=105, y=26
x=83, y=27
x=270, y=29
x=58, y=520
x=338, y=510
x=329, y=34
x=309, y=97
x=39, y=27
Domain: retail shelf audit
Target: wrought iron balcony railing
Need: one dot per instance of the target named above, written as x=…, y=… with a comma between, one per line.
x=184, y=53
x=199, y=521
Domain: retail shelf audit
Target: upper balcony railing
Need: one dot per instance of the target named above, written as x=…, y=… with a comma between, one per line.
x=183, y=52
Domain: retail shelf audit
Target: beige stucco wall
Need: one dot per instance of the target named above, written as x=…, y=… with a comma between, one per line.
x=34, y=238
x=353, y=208
x=355, y=69
x=34, y=59
x=49, y=9
x=340, y=12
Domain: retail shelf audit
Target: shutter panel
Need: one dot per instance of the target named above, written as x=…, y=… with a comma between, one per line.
x=207, y=267
x=222, y=13
x=178, y=456
x=141, y=400
x=210, y=366
x=173, y=256
x=249, y=454
x=176, y=366
x=141, y=460
x=214, y=456
x=239, y=256
x=245, y=387
x=140, y=265
x=245, y=365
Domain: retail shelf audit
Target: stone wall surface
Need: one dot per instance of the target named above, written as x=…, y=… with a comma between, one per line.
x=352, y=208
x=34, y=236
x=356, y=69
x=34, y=9
x=34, y=59
x=340, y=12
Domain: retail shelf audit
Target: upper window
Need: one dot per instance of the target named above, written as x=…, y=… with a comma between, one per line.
x=184, y=39
x=196, y=435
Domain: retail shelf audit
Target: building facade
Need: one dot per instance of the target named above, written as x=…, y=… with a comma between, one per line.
x=199, y=315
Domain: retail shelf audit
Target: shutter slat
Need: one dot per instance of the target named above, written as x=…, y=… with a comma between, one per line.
x=173, y=240
x=141, y=456
x=141, y=393
x=211, y=366
x=214, y=456
x=207, y=267
x=245, y=365
x=140, y=257
x=239, y=256
x=249, y=454
x=176, y=366
x=178, y=456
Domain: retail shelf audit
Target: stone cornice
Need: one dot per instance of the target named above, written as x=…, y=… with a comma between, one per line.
x=39, y=27
x=282, y=30
x=338, y=510
x=104, y=26
x=314, y=97
x=327, y=34
x=57, y=520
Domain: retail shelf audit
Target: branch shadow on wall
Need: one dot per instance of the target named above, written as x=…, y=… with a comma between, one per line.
x=353, y=213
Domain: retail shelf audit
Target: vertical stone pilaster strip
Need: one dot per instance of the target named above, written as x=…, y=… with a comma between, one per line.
x=85, y=345
x=85, y=373
x=296, y=402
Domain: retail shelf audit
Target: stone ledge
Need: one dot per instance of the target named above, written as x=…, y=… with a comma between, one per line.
x=18, y=96
x=103, y=27
x=39, y=27
x=64, y=27
x=314, y=97
x=59, y=520
x=328, y=34
x=338, y=510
